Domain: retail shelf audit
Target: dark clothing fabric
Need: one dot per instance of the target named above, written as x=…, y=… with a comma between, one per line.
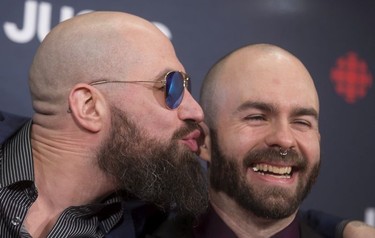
x=9, y=124
x=140, y=220
x=18, y=192
x=212, y=226
x=329, y=226
x=291, y=231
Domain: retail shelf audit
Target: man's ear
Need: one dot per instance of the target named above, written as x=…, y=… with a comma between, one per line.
x=205, y=149
x=87, y=106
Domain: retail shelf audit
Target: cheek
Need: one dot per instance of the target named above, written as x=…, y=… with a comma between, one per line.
x=159, y=124
x=311, y=148
x=236, y=144
x=162, y=127
x=316, y=153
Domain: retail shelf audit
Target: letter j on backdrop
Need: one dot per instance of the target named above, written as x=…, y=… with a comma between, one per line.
x=36, y=21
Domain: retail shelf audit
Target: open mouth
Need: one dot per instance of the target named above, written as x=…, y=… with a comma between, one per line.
x=272, y=170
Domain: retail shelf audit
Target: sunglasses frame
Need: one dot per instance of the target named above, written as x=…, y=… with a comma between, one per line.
x=185, y=78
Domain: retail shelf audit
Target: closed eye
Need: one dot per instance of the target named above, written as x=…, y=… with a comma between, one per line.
x=255, y=118
x=302, y=124
x=162, y=88
x=160, y=85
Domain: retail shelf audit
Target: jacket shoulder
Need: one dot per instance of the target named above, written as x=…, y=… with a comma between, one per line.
x=175, y=227
x=9, y=124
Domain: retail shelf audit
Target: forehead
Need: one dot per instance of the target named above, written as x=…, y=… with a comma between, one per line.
x=276, y=79
x=140, y=53
x=155, y=59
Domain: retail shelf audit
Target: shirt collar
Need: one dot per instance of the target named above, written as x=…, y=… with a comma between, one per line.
x=211, y=225
x=16, y=165
x=17, y=161
x=291, y=231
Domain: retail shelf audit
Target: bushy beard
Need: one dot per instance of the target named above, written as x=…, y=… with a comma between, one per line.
x=165, y=174
x=267, y=202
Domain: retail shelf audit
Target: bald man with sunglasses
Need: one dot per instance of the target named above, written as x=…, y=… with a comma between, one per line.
x=114, y=121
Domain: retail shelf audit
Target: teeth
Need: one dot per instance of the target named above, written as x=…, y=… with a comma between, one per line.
x=262, y=168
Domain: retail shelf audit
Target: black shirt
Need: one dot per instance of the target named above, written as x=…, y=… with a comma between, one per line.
x=212, y=225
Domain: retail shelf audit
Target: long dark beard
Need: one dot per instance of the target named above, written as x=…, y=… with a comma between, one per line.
x=165, y=174
x=267, y=202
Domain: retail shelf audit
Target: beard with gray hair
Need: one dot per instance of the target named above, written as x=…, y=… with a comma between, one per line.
x=165, y=174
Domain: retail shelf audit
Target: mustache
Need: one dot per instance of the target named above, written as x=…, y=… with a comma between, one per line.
x=188, y=128
x=271, y=155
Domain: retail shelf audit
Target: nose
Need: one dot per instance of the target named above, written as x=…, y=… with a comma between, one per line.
x=189, y=109
x=281, y=136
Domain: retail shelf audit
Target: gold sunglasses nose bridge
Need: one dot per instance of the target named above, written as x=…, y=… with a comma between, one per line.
x=186, y=82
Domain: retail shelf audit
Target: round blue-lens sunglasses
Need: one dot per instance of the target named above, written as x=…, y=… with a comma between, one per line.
x=174, y=83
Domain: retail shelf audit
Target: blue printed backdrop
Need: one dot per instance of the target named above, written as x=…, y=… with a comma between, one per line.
x=335, y=40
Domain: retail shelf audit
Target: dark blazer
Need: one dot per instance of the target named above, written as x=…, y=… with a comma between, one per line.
x=140, y=220
x=9, y=124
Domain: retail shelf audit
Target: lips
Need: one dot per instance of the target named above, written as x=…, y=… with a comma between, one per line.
x=277, y=171
x=267, y=164
x=193, y=140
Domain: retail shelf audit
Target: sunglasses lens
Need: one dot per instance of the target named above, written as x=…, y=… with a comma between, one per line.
x=174, y=89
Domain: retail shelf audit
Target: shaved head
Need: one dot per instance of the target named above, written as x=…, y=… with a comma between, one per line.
x=89, y=47
x=240, y=65
x=258, y=100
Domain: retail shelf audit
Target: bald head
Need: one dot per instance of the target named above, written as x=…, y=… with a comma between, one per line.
x=89, y=47
x=252, y=67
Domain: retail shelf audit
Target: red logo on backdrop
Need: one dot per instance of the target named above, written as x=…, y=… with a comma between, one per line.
x=351, y=77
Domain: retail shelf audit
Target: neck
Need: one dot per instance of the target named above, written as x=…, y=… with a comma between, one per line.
x=243, y=223
x=66, y=174
x=66, y=170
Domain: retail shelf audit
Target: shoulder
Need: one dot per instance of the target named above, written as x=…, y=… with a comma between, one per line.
x=9, y=124
x=327, y=225
x=307, y=231
x=173, y=227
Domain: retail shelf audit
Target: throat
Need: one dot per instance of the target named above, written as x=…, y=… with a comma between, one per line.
x=39, y=220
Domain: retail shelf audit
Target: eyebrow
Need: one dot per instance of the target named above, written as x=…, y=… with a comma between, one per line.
x=306, y=112
x=161, y=75
x=270, y=108
x=256, y=105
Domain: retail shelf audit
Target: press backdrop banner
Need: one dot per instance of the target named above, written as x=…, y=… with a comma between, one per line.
x=335, y=40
